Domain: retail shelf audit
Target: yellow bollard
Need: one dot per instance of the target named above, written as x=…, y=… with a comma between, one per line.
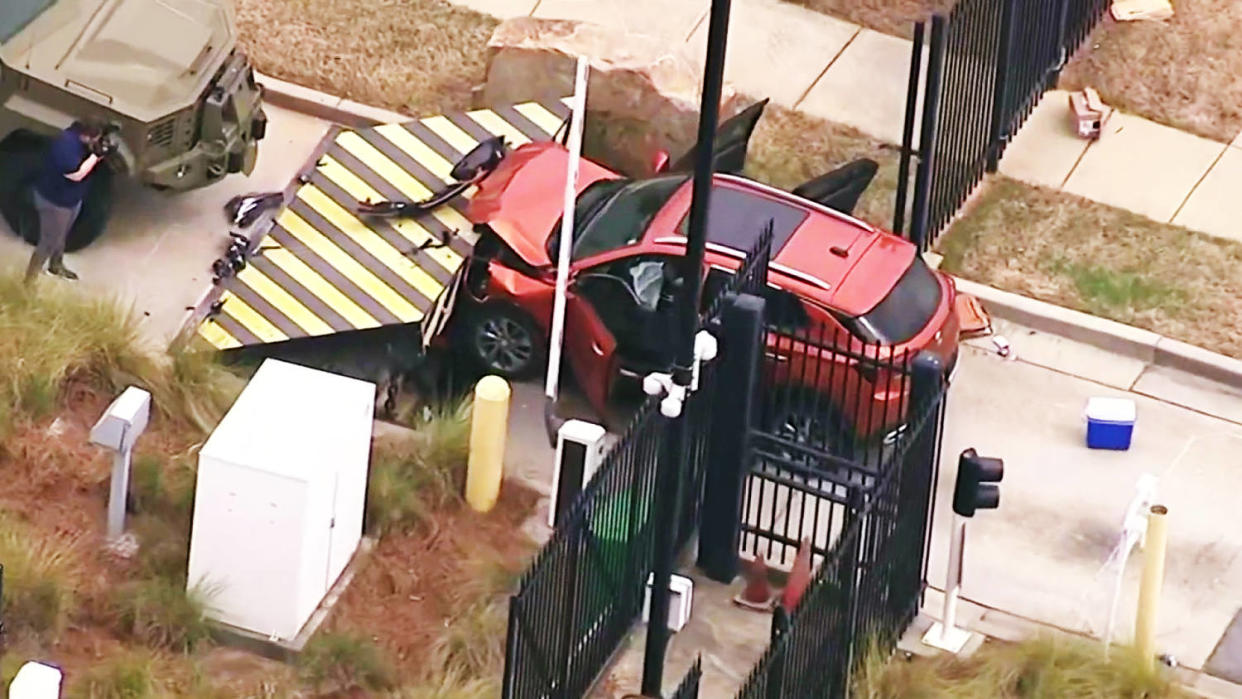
x=489, y=424
x=1149, y=589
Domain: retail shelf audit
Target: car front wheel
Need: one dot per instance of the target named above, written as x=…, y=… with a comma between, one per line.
x=504, y=341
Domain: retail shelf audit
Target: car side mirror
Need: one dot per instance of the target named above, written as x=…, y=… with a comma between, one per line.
x=659, y=162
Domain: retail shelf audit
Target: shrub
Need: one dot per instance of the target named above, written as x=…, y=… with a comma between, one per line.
x=412, y=477
x=42, y=574
x=160, y=613
x=1045, y=667
x=342, y=662
x=473, y=645
x=53, y=334
x=126, y=676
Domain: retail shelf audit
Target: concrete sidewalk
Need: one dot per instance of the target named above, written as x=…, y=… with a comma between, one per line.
x=1040, y=554
x=838, y=71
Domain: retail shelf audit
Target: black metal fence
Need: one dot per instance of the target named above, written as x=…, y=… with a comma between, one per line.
x=989, y=64
x=581, y=594
x=869, y=583
x=586, y=587
x=689, y=687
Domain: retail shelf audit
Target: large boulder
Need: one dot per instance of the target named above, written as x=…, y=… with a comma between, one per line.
x=642, y=97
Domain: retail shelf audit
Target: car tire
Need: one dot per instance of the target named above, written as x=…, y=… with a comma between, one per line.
x=21, y=155
x=503, y=340
x=96, y=210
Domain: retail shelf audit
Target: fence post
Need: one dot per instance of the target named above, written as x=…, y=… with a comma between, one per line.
x=919, y=218
x=728, y=463
x=907, y=131
x=511, y=650
x=926, y=384
x=1001, y=116
x=776, y=678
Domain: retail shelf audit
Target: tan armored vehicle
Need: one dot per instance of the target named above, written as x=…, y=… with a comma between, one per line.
x=165, y=74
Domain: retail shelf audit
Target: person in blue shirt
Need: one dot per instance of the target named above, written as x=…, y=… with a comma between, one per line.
x=59, y=188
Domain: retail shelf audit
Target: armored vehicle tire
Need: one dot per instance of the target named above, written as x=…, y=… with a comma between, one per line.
x=96, y=210
x=20, y=157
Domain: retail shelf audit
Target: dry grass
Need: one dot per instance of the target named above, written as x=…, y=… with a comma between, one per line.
x=1186, y=72
x=344, y=662
x=1047, y=667
x=789, y=148
x=1109, y=262
x=896, y=17
x=418, y=56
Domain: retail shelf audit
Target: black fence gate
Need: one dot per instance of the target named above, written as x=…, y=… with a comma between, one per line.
x=989, y=64
x=869, y=581
x=834, y=411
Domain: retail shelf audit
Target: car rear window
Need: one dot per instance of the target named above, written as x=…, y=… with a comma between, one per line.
x=17, y=14
x=905, y=311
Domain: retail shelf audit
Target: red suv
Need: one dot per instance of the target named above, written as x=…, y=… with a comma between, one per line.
x=829, y=273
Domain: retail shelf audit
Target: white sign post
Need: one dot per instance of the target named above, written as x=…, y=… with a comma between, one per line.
x=944, y=634
x=567, y=229
x=119, y=428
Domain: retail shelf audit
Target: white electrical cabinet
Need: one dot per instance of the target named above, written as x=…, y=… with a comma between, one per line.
x=280, y=495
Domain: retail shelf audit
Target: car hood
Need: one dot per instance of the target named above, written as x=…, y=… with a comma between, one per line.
x=522, y=199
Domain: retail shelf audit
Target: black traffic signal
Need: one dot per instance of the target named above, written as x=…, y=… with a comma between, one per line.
x=973, y=490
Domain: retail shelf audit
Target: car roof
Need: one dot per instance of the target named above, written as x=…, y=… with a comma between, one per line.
x=811, y=244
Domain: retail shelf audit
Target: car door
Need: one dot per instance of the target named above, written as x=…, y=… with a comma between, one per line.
x=437, y=317
x=732, y=139
x=590, y=348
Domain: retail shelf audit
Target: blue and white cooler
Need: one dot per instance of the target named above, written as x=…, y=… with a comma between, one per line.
x=1110, y=423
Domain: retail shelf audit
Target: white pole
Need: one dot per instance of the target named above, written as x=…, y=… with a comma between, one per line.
x=953, y=583
x=567, y=227
x=118, y=493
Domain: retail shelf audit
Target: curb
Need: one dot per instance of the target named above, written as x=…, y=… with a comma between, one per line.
x=1110, y=335
x=321, y=105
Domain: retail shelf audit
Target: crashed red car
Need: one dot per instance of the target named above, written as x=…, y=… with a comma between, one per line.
x=828, y=271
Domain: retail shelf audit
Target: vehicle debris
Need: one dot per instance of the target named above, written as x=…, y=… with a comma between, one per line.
x=1088, y=113
x=1002, y=347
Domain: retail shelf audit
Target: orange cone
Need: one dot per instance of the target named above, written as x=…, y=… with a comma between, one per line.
x=757, y=594
x=799, y=577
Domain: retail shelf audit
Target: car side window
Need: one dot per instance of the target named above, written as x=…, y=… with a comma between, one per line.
x=784, y=310
x=627, y=294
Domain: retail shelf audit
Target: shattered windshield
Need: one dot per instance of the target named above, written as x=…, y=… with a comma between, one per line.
x=612, y=214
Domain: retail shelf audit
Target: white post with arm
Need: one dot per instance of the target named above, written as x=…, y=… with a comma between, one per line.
x=567, y=228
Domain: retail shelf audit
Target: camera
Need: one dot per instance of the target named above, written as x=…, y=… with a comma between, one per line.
x=105, y=145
